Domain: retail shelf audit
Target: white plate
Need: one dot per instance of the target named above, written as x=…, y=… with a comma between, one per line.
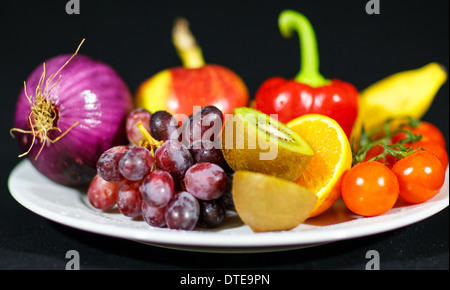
x=71, y=208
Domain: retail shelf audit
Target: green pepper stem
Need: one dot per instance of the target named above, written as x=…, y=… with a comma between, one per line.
x=291, y=21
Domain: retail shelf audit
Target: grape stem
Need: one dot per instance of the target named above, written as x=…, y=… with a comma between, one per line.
x=151, y=142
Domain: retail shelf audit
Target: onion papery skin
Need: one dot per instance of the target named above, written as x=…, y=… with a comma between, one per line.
x=89, y=92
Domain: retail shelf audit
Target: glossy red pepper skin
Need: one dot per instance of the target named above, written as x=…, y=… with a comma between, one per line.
x=291, y=99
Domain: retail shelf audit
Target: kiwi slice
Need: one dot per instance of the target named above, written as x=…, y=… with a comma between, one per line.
x=254, y=141
x=268, y=203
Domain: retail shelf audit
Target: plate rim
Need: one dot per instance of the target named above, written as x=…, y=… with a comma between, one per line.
x=197, y=238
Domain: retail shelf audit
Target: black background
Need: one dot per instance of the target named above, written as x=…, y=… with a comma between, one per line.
x=134, y=38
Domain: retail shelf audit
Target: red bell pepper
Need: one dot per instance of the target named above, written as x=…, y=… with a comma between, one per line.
x=309, y=92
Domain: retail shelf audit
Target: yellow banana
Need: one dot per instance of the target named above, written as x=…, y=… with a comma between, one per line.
x=406, y=93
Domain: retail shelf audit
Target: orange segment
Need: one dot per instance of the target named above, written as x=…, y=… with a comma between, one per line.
x=332, y=157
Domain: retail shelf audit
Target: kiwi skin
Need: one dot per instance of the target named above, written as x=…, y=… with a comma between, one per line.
x=289, y=163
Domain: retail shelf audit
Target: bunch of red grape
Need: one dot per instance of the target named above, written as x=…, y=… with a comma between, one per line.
x=170, y=175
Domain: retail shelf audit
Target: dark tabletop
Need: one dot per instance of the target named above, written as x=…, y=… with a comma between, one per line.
x=134, y=38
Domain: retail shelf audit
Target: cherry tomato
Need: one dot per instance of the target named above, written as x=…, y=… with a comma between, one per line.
x=434, y=148
x=420, y=176
x=428, y=131
x=369, y=188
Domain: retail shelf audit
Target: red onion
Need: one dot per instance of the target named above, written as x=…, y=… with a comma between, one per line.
x=77, y=116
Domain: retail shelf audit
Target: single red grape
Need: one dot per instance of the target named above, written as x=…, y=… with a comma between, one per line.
x=108, y=163
x=205, y=181
x=174, y=158
x=102, y=194
x=157, y=188
x=204, y=124
x=183, y=211
x=207, y=151
x=129, y=199
x=136, y=163
x=134, y=135
x=163, y=126
x=154, y=216
x=212, y=213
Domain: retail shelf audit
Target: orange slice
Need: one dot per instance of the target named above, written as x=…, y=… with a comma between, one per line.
x=332, y=157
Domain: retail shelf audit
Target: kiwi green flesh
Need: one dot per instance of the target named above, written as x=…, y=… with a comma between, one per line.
x=274, y=130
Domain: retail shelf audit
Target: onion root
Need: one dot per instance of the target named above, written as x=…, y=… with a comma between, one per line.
x=44, y=114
